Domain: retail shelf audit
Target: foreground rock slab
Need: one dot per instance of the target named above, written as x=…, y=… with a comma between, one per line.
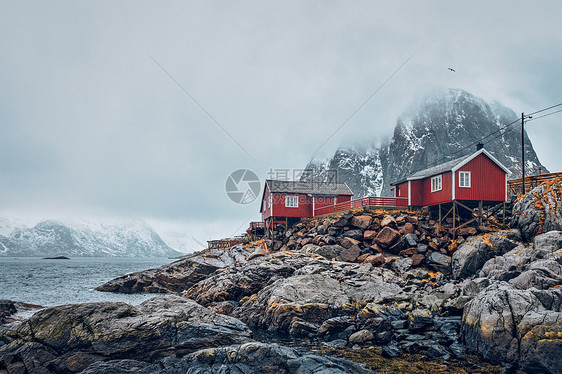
x=69, y=338
x=179, y=275
x=248, y=358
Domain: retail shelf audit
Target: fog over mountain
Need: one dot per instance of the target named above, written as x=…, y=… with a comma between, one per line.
x=85, y=238
x=443, y=125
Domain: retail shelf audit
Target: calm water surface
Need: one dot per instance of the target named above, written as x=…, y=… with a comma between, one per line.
x=55, y=282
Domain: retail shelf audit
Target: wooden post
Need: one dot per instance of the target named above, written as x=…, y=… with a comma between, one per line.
x=454, y=219
x=523, y=150
x=480, y=213
x=439, y=222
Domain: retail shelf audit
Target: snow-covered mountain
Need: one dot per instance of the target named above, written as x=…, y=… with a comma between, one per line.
x=359, y=167
x=440, y=127
x=91, y=239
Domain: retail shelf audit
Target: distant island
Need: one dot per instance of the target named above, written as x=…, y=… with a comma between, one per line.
x=56, y=258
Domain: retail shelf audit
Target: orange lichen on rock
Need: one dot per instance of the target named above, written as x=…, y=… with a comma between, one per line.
x=487, y=241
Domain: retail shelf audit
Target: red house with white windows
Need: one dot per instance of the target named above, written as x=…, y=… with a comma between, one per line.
x=283, y=201
x=474, y=178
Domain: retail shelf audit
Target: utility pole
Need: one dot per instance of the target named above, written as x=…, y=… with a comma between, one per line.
x=523, y=150
x=523, y=117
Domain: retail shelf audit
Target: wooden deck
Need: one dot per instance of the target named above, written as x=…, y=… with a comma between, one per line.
x=224, y=243
x=515, y=186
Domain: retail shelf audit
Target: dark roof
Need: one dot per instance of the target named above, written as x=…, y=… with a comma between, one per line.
x=439, y=169
x=313, y=188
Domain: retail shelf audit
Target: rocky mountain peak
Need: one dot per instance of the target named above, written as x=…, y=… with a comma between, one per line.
x=441, y=126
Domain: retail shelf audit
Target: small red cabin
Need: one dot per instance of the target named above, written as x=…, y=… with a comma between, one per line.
x=477, y=177
x=283, y=200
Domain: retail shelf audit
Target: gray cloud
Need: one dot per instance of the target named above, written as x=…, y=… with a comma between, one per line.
x=90, y=123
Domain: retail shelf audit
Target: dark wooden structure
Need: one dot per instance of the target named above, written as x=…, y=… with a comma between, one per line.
x=515, y=186
x=225, y=243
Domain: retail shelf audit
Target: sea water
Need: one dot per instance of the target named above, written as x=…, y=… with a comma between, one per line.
x=55, y=282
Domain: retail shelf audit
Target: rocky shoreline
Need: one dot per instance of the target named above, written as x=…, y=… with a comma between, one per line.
x=362, y=291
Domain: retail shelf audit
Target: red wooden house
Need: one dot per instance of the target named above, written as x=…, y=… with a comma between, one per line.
x=284, y=201
x=478, y=177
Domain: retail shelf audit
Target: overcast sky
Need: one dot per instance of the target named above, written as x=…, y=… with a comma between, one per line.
x=138, y=109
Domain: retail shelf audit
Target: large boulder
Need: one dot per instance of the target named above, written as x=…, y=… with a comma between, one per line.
x=69, y=338
x=258, y=358
x=328, y=251
x=513, y=263
x=245, y=279
x=507, y=325
x=316, y=294
x=362, y=221
x=248, y=358
x=540, y=210
x=474, y=252
x=518, y=318
x=387, y=237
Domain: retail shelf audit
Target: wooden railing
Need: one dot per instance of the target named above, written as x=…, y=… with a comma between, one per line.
x=224, y=243
x=359, y=203
x=257, y=225
x=515, y=186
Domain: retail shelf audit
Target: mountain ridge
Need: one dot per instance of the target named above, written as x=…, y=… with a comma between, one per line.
x=443, y=125
x=86, y=238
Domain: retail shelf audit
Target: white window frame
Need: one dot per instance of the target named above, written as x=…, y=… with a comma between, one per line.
x=464, y=176
x=436, y=183
x=291, y=201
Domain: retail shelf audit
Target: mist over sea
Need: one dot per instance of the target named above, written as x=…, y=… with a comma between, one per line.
x=55, y=282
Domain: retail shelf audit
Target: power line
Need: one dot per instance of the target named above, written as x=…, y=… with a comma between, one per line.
x=450, y=157
x=546, y=115
x=545, y=109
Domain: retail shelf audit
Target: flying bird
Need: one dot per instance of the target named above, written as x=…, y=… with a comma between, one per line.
x=453, y=70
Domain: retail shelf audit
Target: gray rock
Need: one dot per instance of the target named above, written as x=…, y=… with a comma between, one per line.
x=440, y=262
x=422, y=248
x=457, y=349
x=419, y=319
x=80, y=334
x=350, y=254
x=411, y=239
x=246, y=279
x=550, y=241
x=249, y=358
x=472, y=287
x=437, y=351
x=399, y=324
x=538, y=211
x=328, y=251
x=504, y=324
x=121, y=367
x=317, y=297
x=439, y=259
x=541, y=274
x=390, y=351
x=335, y=325
x=475, y=251
x=360, y=337
x=402, y=265
x=175, y=277
x=354, y=234
x=337, y=343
